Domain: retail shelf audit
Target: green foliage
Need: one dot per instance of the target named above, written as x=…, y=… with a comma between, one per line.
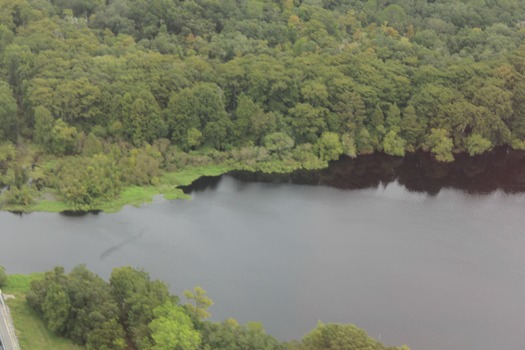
x=411, y=128
x=78, y=306
x=63, y=138
x=232, y=336
x=67, y=99
x=201, y=300
x=278, y=142
x=101, y=315
x=3, y=277
x=142, y=166
x=393, y=144
x=194, y=138
x=257, y=85
x=171, y=329
x=364, y=142
x=141, y=118
x=308, y=122
x=56, y=308
x=476, y=144
x=349, y=147
x=92, y=145
x=440, y=145
x=44, y=123
x=86, y=182
x=393, y=118
x=17, y=197
x=329, y=146
x=7, y=151
x=31, y=329
x=333, y=336
x=137, y=297
x=8, y=114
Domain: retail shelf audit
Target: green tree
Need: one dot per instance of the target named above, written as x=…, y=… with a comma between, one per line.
x=497, y=100
x=85, y=183
x=92, y=145
x=333, y=336
x=63, y=138
x=278, y=142
x=476, y=144
x=141, y=118
x=329, y=146
x=351, y=110
x=71, y=100
x=308, y=122
x=395, y=16
x=364, y=142
x=216, y=133
x=8, y=114
x=172, y=329
x=393, y=118
x=393, y=144
x=78, y=306
x=18, y=196
x=18, y=61
x=142, y=166
x=377, y=123
x=107, y=335
x=194, y=138
x=411, y=128
x=137, y=296
x=200, y=107
x=201, y=300
x=91, y=308
x=441, y=145
x=251, y=122
x=56, y=308
x=44, y=123
x=3, y=277
x=349, y=147
x=232, y=336
x=38, y=288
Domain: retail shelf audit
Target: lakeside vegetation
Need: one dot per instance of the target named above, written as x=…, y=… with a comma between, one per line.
x=79, y=310
x=106, y=103
x=31, y=331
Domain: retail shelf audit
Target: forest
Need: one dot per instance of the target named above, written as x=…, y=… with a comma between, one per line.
x=132, y=311
x=99, y=98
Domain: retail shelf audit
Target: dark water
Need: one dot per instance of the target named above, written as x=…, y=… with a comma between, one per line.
x=415, y=252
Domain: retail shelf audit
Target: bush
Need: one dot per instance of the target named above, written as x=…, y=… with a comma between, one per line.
x=3, y=277
x=22, y=196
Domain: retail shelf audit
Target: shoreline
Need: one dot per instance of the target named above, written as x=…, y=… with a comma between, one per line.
x=171, y=184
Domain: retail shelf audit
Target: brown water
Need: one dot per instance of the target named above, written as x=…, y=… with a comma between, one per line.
x=415, y=252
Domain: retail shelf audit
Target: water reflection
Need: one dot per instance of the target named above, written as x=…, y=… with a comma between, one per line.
x=79, y=213
x=203, y=183
x=502, y=169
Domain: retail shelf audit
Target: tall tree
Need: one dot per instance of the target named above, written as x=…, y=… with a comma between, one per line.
x=172, y=329
x=8, y=114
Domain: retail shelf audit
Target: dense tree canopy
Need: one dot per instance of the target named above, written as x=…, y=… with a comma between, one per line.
x=268, y=85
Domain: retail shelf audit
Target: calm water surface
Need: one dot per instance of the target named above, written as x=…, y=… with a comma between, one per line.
x=414, y=252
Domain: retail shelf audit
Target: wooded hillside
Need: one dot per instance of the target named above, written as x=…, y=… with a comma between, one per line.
x=132, y=88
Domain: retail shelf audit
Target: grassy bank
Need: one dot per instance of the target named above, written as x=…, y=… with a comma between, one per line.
x=168, y=186
x=30, y=328
x=83, y=183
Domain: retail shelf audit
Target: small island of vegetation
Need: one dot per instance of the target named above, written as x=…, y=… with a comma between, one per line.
x=106, y=103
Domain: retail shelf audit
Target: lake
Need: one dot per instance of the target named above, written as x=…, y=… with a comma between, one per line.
x=413, y=251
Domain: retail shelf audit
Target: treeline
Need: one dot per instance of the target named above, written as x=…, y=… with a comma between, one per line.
x=131, y=311
x=125, y=89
